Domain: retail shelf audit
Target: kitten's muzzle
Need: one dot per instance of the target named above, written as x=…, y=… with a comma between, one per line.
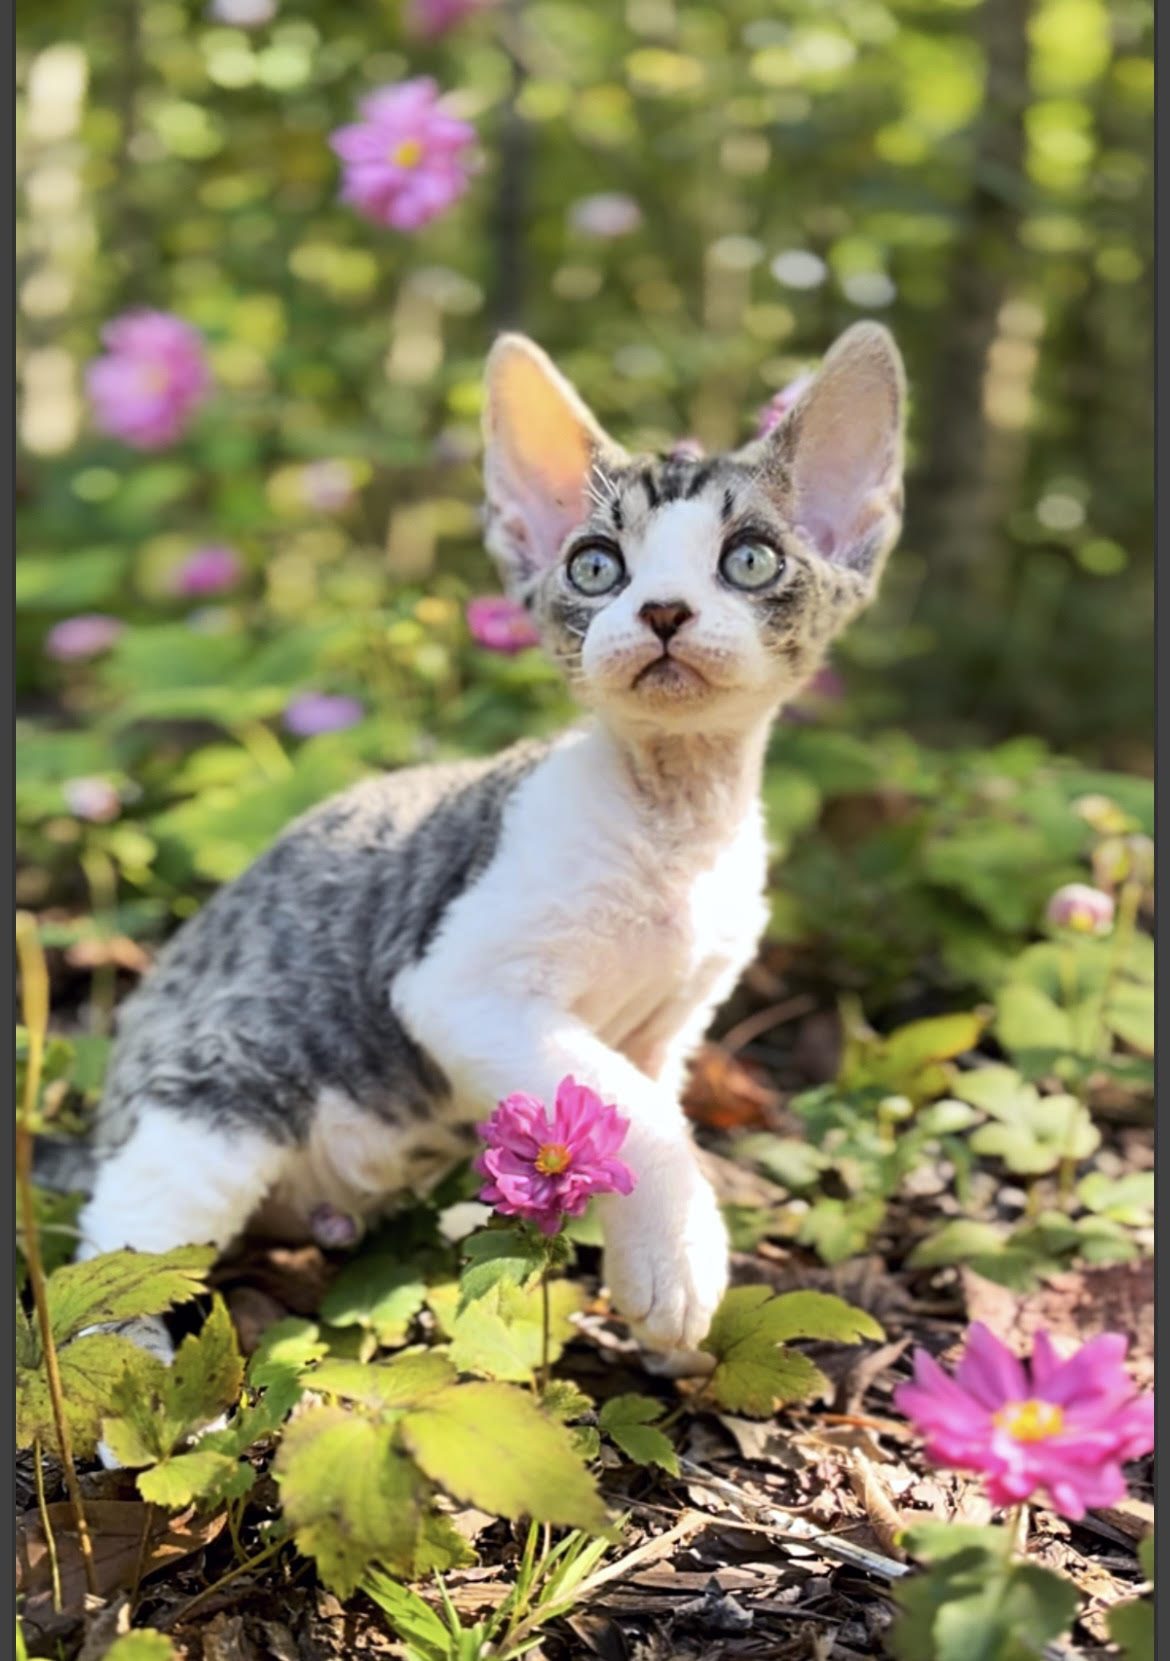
x=665, y=617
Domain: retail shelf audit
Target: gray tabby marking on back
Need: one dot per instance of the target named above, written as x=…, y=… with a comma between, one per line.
x=280, y=987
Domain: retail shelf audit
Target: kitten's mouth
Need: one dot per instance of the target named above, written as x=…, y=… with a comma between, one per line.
x=667, y=674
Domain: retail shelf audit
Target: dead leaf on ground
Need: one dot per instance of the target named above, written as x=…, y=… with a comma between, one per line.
x=1072, y=1307
x=125, y=1534
x=99, y=951
x=724, y=1095
x=224, y=1639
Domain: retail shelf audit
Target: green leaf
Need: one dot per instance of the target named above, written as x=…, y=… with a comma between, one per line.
x=141, y=1646
x=956, y=1242
x=1026, y=1019
x=206, y=1475
x=439, y=1546
x=839, y=1229
x=996, y=1089
x=412, y=1620
x=157, y=1409
x=974, y=1604
x=119, y=1285
x=91, y=1369
x=753, y=1373
x=938, y=1038
x=1129, y=1013
x=626, y=1420
x=350, y=1497
x=498, y=1256
x=285, y=1349
x=500, y=1336
x=489, y=1445
x=1131, y=1627
x=407, y=1379
x=377, y=1293
x=77, y=581
x=794, y=1164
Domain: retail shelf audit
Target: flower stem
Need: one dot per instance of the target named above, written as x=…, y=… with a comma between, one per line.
x=545, y=1331
x=1017, y=1530
x=1128, y=901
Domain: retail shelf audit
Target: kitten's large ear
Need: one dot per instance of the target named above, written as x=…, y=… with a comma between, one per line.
x=540, y=446
x=841, y=450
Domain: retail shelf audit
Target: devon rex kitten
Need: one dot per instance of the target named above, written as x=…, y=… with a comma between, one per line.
x=333, y=1024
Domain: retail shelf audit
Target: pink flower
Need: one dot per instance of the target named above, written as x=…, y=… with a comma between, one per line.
x=327, y=486
x=778, y=406
x=608, y=214
x=432, y=18
x=544, y=1172
x=317, y=712
x=404, y=164
x=500, y=624
x=207, y=571
x=1062, y=1426
x=77, y=638
x=92, y=799
x=154, y=375
x=1080, y=908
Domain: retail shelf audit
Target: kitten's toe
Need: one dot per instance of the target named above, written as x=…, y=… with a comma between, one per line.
x=678, y=1363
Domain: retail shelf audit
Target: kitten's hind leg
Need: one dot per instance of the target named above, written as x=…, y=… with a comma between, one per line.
x=177, y=1180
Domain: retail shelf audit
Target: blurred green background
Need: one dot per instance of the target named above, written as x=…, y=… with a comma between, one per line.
x=977, y=175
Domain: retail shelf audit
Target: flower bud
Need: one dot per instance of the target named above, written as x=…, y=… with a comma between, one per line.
x=1112, y=862
x=1102, y=815
x=1081, y=909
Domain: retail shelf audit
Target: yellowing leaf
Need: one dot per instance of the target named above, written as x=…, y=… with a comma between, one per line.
x=490, y=1445
x=157, y=1409
x=118, y=1285
x=91, y=1368
x=407, y=1379
x=499, y=1336
x=350, y=1497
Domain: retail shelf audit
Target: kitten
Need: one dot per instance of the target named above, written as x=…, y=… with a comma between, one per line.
x=332, y=1025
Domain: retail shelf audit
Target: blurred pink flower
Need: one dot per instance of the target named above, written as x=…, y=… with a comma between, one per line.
x=432, y=18
x=500, y=624
x=93, y=799
x=327, y=486
x=1080, y=908
x=207, y=571
x=687, y=449
x=404, y=164
x=610, y=213
x=544, y=1171
x=317, y=712
x=243, y=14
x=778, y=406
x=1062, y=1426
x=153, y=376
x=78, y=638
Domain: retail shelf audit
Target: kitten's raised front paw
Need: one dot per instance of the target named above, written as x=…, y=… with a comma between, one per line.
x=666, y=1258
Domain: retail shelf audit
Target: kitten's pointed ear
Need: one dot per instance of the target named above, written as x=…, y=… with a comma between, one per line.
x=540, y=446
x=841, y=449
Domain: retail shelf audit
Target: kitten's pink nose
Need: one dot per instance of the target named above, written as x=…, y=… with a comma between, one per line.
x=665, y=617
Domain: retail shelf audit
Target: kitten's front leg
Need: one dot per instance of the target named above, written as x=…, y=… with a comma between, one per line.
x=666, y=1246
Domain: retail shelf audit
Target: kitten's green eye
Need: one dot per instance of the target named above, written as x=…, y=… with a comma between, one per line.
x=595, y=569
x=750, y=565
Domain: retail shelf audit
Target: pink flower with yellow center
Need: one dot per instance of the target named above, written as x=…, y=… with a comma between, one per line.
x=1064, y=1427
x=153, y=376
x=545, y=1171
x=405, y=162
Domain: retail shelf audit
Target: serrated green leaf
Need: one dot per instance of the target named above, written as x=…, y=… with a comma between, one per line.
x=122, y=1284
x=401, y=1382
x=490, y=1445
x=565, y=1400
x=500, y=1336
x=627, y=1420
x=1129, y=1013
x=156, y=1409
x=754, y=1373
x=440, y=1546
x=1026, y=1019
x=996, y=1089
x=91, y=1368
x=1128, y=1199
x=377, y=1293
x=350, y=1497
x=1131, y=1627
x=205, y=1475
x=839, y=1229
x=498, y=1256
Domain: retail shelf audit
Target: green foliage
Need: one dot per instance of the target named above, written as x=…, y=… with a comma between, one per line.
x=112, y=1287
x=628, y=1421
x=141, y=1646
x=378, y=1294
x=498, y=1256
x=500, y=1335
x=755, y=1371
x=1131, y=1624
x=973, y=1603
